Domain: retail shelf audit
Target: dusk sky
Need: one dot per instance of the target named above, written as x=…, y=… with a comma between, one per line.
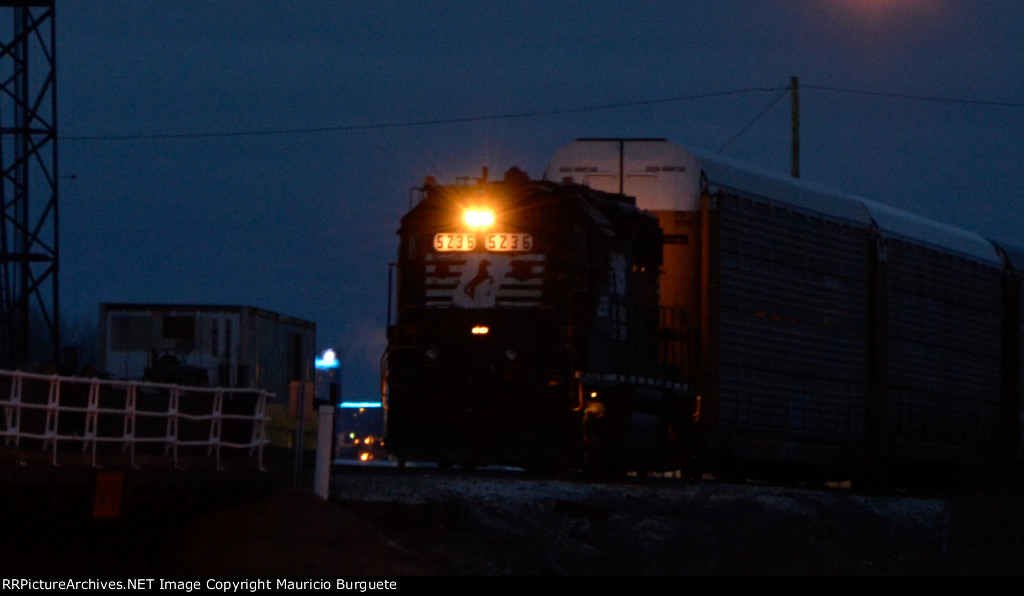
x=261, y=153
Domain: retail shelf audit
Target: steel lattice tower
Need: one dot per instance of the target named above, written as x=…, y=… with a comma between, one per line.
x=29, y=320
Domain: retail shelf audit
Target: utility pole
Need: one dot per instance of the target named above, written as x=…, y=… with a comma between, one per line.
x=794, y=112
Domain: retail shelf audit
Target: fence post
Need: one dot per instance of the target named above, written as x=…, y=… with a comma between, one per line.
x=324, y=455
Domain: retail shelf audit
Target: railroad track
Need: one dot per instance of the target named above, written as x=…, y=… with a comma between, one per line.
x=498, y=521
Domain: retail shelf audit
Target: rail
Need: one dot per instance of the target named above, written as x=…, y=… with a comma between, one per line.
x=52, y=415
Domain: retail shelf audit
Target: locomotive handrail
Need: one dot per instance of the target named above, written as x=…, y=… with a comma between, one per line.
x=45, y=413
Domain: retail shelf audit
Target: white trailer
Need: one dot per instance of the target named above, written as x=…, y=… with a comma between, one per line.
x=218, y=345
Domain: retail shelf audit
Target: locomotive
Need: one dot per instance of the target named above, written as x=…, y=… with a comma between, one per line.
x=646, y=307
x=527, y=327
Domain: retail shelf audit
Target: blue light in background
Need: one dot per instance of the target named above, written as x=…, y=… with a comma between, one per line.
x=327, y=360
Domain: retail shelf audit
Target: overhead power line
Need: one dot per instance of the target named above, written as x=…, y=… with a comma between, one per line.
x=755, y=119
x=414, y=123
x=536, y=114
x=973, y=102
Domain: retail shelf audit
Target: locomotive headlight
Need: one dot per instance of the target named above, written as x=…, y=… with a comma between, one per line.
x=480, y=330
x=478, y=217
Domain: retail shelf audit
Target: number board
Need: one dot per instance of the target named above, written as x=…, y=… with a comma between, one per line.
x=497, y=242
x=509, y=242
x=454, y=242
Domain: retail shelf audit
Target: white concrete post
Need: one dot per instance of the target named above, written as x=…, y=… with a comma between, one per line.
x=324, y=455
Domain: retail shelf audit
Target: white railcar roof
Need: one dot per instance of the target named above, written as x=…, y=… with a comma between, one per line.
x=1014, y=253
x=661, y=175
x=816, y=197
x=806, y=195
x=894, y=222
x=604, y=161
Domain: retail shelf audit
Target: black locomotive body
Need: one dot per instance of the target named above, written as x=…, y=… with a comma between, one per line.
x=530, y=338
x=702, y=315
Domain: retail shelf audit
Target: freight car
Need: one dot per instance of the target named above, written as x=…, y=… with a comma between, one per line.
x=784, y=327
